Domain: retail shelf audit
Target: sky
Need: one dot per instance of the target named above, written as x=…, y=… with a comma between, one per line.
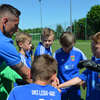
x=53, y=12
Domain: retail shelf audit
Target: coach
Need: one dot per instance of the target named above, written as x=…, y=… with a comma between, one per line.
x=9, y=20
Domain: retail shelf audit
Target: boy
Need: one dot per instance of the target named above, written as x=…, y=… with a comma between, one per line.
x=44, y=47
x=43, y=71
x=68, y=58
x=93, y=78
x=23, y=41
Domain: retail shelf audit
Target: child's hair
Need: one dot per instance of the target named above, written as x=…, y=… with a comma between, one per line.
x=22, y=37
x=95, y=43
x=96, y=37
x=46, y=32
x=67, y=39
x=43, y=67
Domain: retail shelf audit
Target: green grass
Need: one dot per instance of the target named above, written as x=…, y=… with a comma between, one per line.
x=83, y=45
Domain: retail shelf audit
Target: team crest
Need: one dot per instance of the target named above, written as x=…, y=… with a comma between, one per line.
x=73, y=58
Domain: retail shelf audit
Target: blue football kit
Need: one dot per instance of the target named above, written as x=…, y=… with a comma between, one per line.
x=93, y=82
x=67, y=70
x=8, y=57
x=23, y=59
x=34, y=92
x=42, y=50
x=28, y=58
x=8, y=52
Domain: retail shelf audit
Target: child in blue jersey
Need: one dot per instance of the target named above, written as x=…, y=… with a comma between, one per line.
x=44, y=47
x=29, y=54
x=68, y=58
x=93, y=78
x=23, y=41
x=43, y=71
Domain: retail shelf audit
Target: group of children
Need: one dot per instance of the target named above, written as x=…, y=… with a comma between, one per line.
x=62, y=63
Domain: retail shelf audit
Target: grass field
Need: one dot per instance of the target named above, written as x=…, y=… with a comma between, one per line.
x=84, y=45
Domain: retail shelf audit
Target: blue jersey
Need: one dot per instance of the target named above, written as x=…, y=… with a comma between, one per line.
x=8, y=52
x=67, y=67
x=67, y=63
x=42, y=50
x=8, y=56
x=23, y=59
x=93, y=83
x=28, y=58
x=34, y=92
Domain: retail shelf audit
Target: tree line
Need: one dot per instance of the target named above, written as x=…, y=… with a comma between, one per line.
x=82, y=28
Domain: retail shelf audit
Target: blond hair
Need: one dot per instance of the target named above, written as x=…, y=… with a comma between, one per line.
x=96, y=37
x=22, y=37
x=46, y=33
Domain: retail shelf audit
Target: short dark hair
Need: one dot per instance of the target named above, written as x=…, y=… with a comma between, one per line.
x=67, y=39
x=43, y=67
x=6, y=8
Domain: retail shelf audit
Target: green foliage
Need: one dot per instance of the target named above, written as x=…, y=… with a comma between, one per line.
x=82, y=29
x=32, y=31
x=79, y=28
x=93, y=19
x=59, y=30
x=85, y=27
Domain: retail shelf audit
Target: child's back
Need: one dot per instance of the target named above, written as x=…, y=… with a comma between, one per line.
x=38, y=92
x=43, y=72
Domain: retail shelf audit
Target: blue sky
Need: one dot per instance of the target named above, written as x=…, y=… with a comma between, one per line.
x=53, y=11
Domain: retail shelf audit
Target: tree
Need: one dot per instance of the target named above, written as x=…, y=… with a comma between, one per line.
x=79, y=28
x=93, y=19
x=59, y=30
